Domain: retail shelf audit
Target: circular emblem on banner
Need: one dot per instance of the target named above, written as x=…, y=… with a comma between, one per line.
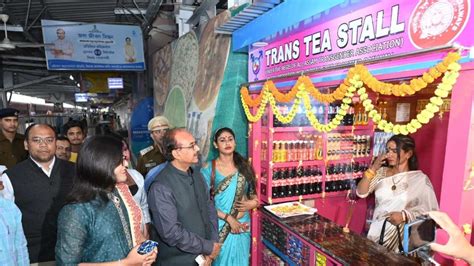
x=438, y=22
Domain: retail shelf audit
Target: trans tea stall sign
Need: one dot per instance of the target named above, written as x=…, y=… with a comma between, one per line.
x=78, y=46
x=383, y=29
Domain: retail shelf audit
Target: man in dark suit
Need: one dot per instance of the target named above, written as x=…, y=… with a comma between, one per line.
x=39, y=187
x=183, y=214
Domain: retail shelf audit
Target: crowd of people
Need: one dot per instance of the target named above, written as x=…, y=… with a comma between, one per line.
x=76, y=200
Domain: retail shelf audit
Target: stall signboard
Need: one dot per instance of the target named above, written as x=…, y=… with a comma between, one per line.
x=79, y=46
x=385, y=28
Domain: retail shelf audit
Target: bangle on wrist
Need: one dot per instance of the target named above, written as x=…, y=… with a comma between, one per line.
x=404, y=216
x=369, y=174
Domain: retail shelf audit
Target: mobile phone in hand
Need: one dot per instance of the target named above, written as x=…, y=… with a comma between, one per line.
x=147, y=246
x=418, y=234
x=200, y=260
x=384, y=162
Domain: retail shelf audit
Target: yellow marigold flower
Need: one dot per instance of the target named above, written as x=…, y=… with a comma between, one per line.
x=415, y=123
x=403, y=130
x=434, y=73
x=427, y=114
x=382, y=124
x=422, y=119
x=345, y=107
x=436, y=101
x=454, y=67
x=427, y=78
x=441, y=93
x=441, y=68
x=410, y=128
x=432, y=108
x=396, y=129
x=372, y=113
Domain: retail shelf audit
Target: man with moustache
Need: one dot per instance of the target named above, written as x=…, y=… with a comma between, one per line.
x=75, y=133
x=12, y=150
x=182, y=212
x=153, y=155
x=63, y=148
x=39, y=186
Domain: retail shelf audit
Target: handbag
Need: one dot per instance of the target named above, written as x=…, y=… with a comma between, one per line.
x=213, y=180
x=382, y=235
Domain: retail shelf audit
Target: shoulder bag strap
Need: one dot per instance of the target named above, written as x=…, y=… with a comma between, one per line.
x=400, y=245
x=382, y=233
x=213, y=179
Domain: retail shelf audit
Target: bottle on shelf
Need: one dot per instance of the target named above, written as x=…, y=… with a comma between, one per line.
x=283, y=151
x=276, y=184
x=306, y=181
x=287, y=183
x=275, y=152
x=319, y=148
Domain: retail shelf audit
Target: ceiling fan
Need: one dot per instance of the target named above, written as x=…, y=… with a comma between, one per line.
x=6, y=44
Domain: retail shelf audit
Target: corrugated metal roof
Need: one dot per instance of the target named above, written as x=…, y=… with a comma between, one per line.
x=73, y=10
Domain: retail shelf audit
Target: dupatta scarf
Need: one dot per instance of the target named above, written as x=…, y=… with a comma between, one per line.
x=133, y=231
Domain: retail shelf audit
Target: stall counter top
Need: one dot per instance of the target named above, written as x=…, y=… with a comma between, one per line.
x=346, y=248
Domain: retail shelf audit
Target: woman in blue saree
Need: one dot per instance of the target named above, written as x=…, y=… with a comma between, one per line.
x=232, y=185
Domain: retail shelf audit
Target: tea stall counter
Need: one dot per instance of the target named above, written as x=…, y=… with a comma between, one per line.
x=316, y=240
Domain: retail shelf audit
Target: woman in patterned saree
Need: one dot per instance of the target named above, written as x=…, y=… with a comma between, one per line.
x=101, y=222
x=232, y=183
x=401, y=191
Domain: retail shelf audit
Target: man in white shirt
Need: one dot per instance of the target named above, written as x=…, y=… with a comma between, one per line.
x=63, y=48
x=39, y=186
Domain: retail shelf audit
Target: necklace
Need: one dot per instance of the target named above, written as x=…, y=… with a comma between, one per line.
x=394, y=187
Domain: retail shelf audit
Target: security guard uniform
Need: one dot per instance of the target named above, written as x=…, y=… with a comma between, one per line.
x=13, y=152
x=149, y=157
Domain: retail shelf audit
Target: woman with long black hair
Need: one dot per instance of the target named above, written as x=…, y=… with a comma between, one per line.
x=402, y=192
x=232, y=183
x=101, y=222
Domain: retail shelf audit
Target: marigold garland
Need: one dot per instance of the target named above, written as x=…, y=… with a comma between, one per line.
x=336, y=121
x=337, y=94
x=291, y=114
x=415, y=85
x=384, y=88
x=423, y=117
x=260, y=110
x=354, y=81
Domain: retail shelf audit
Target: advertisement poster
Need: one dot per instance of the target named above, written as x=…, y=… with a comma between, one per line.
x=140, y=136
x=77, y=46
x=383, y=29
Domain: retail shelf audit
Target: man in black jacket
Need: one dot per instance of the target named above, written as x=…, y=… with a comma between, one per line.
x=183, y=215
x=40, y=185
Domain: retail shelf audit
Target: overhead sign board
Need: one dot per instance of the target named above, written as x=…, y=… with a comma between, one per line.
x=78, y=46
x=383, y=29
